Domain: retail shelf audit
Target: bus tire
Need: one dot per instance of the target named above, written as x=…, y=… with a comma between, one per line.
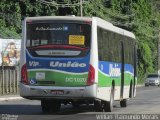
x=75, y=104
x=98, y=105
x=55, y=106
x=50, y=106
x=45, y=106
x=109, y=104
x=123, y=103
x=131, y=90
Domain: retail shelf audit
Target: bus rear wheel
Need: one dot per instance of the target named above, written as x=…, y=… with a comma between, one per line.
x=98, y=106
x=75, y=104
x=123, y=103
x=50, y=106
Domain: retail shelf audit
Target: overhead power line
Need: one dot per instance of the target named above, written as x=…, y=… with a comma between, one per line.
x=65, y=4
x=62, y=4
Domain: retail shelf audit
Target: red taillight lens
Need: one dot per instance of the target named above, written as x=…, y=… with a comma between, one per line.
x=91, y=75
x=24, y=78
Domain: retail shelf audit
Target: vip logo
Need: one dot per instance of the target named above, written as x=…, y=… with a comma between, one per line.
x=33, y=63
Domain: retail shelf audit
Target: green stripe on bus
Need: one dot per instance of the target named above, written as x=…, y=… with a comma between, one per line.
x=105, y=81
x=60, y=79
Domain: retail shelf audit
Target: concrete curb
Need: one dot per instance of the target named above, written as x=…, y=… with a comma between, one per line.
x=140, y=85
x=7, y=98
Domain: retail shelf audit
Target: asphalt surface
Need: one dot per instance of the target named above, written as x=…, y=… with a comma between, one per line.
x=147, y=101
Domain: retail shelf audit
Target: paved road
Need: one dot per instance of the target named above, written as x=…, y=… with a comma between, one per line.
x=147, y=101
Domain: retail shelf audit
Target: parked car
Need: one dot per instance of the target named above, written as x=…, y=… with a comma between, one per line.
x=152, y=79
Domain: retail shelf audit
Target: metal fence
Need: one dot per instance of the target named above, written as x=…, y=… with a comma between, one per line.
x=9, y=80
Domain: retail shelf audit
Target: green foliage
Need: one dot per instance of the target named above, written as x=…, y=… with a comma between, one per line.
x=144, y=30
x=10, y=19
x=142, y=17
x=12, y=12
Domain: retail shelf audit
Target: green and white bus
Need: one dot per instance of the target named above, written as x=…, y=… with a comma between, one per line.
x=77, y=60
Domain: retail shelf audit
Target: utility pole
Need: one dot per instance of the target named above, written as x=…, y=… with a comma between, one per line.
x=81, y=7
x=159, y=53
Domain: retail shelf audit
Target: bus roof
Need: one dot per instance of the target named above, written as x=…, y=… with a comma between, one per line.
x=109, y=26
x=60, y=18
x=100, y=22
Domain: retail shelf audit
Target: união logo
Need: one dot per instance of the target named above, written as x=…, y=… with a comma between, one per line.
x=66, y=64
x=114, y=71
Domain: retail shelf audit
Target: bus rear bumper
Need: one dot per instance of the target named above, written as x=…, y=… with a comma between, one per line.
x=56, y=92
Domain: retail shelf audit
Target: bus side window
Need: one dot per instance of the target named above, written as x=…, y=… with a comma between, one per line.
x=111, y=46
x=117, y=48
x=105, y=45
x=100, y=44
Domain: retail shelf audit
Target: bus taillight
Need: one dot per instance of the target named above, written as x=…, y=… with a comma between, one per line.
x=91, y=75
x=24, y=78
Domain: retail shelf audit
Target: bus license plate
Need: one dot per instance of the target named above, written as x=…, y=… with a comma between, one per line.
x=57, y=92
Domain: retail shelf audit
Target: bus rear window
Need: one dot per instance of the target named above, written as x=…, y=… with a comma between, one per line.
x=48, y=33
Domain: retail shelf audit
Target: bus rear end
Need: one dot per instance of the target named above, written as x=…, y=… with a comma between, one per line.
x=55, y=60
